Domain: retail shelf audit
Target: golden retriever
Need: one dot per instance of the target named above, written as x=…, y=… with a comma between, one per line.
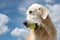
x=45, y=29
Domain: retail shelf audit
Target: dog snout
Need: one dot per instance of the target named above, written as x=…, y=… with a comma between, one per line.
x=25, y=23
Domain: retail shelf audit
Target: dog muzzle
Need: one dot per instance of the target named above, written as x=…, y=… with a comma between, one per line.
x=32, y=26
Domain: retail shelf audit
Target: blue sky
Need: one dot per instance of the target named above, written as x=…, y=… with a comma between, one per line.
x=13, y=13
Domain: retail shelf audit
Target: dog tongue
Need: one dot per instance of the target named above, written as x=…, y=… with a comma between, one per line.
x=32, y=26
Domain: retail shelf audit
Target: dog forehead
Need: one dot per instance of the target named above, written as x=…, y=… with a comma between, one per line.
x=34, y=6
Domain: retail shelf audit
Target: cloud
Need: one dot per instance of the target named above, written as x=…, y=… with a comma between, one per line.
x=3, y=20
x=54, y=14
x=21, y=10
x=54, y=9
x=25, y=4
x=50, y=1
x=17, y=32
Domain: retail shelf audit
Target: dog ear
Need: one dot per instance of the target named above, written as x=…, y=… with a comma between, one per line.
x=45, y=12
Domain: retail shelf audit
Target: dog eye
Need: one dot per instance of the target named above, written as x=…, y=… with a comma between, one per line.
x=39, y=9
x=30, y=12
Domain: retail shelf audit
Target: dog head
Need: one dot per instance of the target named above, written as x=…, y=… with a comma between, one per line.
x=36, y=14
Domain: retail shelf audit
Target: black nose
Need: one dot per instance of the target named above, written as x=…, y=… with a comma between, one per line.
x=30, y=12
x=25, y=23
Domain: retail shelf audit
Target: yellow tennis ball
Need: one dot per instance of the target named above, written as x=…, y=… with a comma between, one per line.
x=32, y=26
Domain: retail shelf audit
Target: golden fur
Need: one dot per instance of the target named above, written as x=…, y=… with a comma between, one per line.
x=46, y=31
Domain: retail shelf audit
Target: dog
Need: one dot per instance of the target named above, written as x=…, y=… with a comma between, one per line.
x=45, y=29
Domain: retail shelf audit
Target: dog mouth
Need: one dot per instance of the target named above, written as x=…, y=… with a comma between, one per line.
x=33, y=26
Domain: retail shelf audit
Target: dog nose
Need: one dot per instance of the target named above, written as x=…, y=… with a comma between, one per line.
x=25, y=23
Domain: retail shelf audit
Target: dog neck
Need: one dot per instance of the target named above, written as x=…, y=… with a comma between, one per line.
x=33, y=37
x=41, y=33
x=38, y=34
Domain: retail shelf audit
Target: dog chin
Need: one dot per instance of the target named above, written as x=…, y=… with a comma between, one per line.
x=36, y=26
x=27, y=23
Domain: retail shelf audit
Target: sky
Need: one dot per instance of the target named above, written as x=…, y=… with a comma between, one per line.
x=13, y=14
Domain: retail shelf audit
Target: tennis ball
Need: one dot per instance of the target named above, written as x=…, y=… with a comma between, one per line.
x=32, y=26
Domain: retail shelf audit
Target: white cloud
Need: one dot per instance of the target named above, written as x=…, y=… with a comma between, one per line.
x=55, y=16
x=3, y=20
x=3, y=29
x=55, y=11
x=21, y=10
x=23, y=7
x=50, y=1
x=17, y=32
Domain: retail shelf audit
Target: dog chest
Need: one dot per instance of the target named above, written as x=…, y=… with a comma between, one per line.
x=33, y=36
